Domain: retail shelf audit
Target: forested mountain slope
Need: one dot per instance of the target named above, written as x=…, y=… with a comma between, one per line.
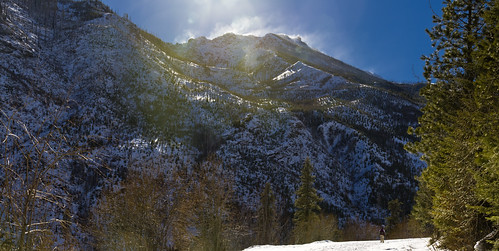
x=261, y=105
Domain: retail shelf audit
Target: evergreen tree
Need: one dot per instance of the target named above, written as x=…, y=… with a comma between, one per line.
x=487, y=116
x=306, y=204
x=394, y=206
x=450, y=138
x=423, y=205
x=267, y=216
x=454, y=38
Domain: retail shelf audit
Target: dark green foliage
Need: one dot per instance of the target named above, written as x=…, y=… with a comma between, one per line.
x=394, y=206
x=459, y=124
x=422, y=207
x=307, y=205
x=454, y=38
x=267, y=217
x=487, y=117
x=307, y=201
x=205, y=140
x=89, y=10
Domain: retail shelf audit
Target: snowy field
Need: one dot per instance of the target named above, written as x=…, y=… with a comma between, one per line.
x=416, y=244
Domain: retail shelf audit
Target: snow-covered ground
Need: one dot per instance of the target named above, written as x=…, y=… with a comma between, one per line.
x=415, y=244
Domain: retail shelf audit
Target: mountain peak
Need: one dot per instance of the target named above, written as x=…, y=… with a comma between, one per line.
x=283, y=37
x=230, y=37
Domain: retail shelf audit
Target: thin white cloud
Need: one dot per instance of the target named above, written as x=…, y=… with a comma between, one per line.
x=180, y=20
x=247, y=25
x=185, y=36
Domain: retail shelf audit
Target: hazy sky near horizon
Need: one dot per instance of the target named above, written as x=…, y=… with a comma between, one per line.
x=385, y=37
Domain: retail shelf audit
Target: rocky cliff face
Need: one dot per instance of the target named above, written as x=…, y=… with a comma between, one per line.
x=261, y=104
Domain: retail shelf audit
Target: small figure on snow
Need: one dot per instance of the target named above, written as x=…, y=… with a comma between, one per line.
x=382, y=234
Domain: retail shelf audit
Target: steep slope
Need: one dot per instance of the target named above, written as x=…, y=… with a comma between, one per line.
x=355, y=119
x=261, y=104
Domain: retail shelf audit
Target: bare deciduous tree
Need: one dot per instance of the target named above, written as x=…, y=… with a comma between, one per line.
x=34, y=206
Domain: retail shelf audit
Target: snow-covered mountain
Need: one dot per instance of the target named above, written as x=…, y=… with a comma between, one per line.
x=261, y=104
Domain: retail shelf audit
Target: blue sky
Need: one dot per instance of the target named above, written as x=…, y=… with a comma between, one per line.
x=386, y=37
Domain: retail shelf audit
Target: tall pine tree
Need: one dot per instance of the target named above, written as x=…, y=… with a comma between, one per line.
x=307, y=207
x=449, y=139
x=487, y=117
x=267, y=216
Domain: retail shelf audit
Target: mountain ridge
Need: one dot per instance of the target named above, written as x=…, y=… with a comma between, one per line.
x=292, y=51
